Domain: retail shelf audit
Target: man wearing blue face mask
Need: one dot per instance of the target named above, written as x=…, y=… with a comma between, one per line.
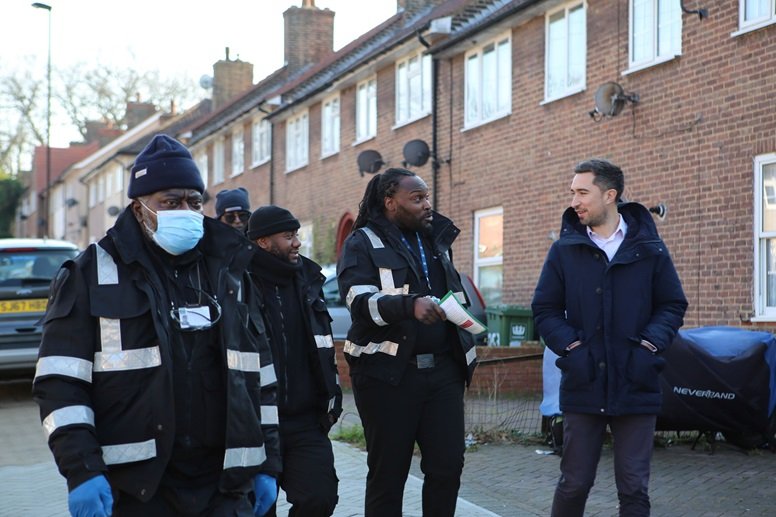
x=155, y=382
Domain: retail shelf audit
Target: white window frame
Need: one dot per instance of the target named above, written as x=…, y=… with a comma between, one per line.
x=238, y=152
x=502, y=86
x=566, y=49
x=653, y=30
x=202, y=163
x=366, y=106
x=477, y=262
x=218, y=161
x=330, y=126
x=753, y=24
x=297, y=141
x=761, y=311
x=413, y=88
x=261, y=150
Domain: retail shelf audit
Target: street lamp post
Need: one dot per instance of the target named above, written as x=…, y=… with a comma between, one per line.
x=43, y=222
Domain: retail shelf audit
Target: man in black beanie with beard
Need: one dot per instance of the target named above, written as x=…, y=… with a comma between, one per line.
x=309, y=395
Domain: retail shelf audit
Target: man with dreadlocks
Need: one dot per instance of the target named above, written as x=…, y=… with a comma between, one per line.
x=408, y=365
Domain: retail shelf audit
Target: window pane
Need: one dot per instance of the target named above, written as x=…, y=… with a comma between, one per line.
x=472, y=88
x=754, y=9
x=427, y=83
x=770, y=272
x=669, y=28
x=577, y=47
x=361, y=115
x=372, y=121
x=489, y=78
x=402, y=95
x=556, y=55
x=769, y=198
x=490, y=243
x=504, y=67
x=642, y=42
x=490, y=283
x=415, y=87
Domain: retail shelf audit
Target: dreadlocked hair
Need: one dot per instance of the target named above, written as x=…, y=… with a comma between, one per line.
x=381, y=186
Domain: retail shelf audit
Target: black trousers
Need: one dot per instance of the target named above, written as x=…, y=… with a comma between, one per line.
x=194, y=502
x=583, y=437
x=308, y=478
x=426, y=407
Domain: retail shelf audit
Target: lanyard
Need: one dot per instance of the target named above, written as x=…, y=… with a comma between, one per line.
x=423, y=262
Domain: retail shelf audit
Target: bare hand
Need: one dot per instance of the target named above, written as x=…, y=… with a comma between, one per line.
x=428, y=311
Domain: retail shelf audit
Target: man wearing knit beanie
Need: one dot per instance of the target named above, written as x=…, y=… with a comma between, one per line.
x=157, y=305
x=233, y=208
x=309, y=395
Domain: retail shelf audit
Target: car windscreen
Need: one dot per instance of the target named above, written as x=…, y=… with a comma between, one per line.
x=24, y=266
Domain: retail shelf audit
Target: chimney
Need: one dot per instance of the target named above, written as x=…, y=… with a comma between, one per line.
x=411, y=6
x=309, y=34
x=230, y=78
x=137, y=112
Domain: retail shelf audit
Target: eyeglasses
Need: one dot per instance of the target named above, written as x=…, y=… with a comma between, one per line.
x=231, y=217
x=195, y=318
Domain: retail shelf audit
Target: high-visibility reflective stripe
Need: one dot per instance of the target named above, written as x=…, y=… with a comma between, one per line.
x=243, y=361
x=110, y=335
x=269, y=415
x=244, y=457
x=471, y=355
x=359, y=289
x=64, y=365
x=69, y=415
x=386, y=281
x=107, y=272
x=324, y=341
x=267, y=375
x=460, y=297
x=332, y=401
x=129, y=452
x=374, y=311
x=385, y=347
x=373, y=238
x=127, y=359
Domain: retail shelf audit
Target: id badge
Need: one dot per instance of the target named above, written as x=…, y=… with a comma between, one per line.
x=194, y=317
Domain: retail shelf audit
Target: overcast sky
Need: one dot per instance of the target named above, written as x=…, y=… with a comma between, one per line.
x=179, y=38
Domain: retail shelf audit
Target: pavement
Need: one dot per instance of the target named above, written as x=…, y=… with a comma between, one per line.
x=509, y=480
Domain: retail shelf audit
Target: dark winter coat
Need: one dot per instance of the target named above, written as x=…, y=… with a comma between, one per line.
x=306, y=283
x=104, y=380
x=373, y=273
x=610, y=306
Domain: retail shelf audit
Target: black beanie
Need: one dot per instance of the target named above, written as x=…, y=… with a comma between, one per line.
x=164, y=164
x=232, y=201
x=269, y=220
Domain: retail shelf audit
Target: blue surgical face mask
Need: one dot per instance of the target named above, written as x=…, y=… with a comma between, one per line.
x=177, y=231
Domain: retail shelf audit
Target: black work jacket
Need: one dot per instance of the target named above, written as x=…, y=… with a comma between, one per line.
x=319, y=345
x=104, y=375
x=373, y=274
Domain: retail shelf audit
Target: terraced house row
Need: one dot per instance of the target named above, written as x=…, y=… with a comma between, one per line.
x=492, y=102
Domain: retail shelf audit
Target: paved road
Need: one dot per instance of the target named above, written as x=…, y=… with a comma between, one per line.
x=505, y=480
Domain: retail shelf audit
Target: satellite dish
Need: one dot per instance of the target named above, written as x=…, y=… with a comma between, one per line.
x=113, y=210
x=206, y=82
x=369, y=161
x=416, y=152
x=610, y=98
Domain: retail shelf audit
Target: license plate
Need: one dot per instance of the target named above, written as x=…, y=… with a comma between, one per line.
x=12, y=306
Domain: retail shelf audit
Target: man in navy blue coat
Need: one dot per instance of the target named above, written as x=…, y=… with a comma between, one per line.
x=608, y=302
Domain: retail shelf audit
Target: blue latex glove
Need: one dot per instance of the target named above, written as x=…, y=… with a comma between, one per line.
x=266, y=489
x=91, y=498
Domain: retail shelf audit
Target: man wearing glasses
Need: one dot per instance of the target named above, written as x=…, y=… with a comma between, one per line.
x=233, y=208
x=154, y=379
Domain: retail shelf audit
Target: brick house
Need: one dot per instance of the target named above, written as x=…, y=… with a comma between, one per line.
x=503, y=94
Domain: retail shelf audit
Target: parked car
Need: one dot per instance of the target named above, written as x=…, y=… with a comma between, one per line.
x=27, y=267
x=341, y=315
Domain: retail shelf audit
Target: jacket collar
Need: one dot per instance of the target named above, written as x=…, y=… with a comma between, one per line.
x=641, y=226
x=443, y=231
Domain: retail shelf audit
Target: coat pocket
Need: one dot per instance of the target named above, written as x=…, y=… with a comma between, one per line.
x=577, y=370
x=644, y=369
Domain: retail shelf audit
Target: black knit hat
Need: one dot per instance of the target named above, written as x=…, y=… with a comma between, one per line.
x=164, y=164
x=269, y=220
x=235, y=200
